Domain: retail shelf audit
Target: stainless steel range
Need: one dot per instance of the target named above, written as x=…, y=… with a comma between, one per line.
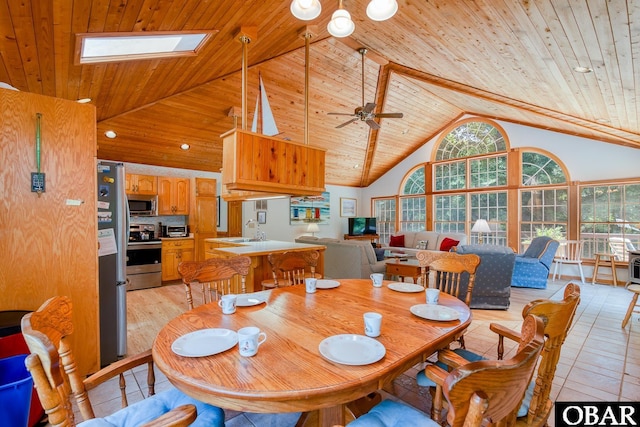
x=144, y=257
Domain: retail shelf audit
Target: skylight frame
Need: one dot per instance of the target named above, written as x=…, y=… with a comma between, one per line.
x=169, y=36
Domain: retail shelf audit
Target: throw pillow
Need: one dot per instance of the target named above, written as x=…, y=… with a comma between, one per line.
x=422, y=245
x=397, y=241
x=448, y=243
x=379, y=253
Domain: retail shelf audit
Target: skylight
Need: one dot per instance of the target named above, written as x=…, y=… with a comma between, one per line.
x=109, y=47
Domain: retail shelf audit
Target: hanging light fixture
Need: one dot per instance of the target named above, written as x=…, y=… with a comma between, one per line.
x=306, y=10
x=341, y=24
x=381, y=10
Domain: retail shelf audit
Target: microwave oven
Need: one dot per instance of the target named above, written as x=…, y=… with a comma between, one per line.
x=140, y=205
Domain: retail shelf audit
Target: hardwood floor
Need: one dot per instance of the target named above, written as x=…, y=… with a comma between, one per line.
x=600, y=361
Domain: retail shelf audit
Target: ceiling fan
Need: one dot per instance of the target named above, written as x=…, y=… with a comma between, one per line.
x=365, y=112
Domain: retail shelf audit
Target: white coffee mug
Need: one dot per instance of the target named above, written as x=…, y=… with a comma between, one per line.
x=376, y=278
x=228, y=303
x=433, y=295
x=249, y=339
x=372, y=324
x=310, y=284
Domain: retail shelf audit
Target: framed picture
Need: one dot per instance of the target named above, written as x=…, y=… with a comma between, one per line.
x=262, y=217
x=306, y=209
x=348, y=207
x=261, y=205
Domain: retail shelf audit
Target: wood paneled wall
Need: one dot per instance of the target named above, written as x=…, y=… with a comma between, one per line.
x=47, y=245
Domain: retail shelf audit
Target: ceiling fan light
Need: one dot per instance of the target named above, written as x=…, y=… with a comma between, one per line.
x=341, y=24
x=381, y=10
x=306, y=10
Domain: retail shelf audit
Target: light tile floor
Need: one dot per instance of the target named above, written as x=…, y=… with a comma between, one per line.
x=600, y=361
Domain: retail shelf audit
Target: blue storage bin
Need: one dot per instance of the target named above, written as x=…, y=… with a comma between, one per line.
x=15, y=391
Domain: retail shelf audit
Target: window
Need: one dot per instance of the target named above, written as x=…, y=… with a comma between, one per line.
x=413, y=213
x=544, y=211
x=609, y=212
x=471, y=156
x=384, y=210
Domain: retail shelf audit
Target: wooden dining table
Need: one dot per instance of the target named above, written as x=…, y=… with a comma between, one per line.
x=289, y=374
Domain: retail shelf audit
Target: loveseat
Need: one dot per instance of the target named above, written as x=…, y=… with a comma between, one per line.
x=410, y=242
x=347, y=259
x=492, y=287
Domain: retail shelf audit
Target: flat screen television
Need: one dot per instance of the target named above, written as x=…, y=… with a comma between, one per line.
x=359, y=226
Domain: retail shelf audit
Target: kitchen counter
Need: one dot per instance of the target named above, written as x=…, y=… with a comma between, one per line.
x=258, y=251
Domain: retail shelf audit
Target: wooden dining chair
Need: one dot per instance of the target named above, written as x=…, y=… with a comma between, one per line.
x=569, y=253
x=478, y=393
x=53, y=368
x=215, y=276
x=291, y=268
x=557, y=317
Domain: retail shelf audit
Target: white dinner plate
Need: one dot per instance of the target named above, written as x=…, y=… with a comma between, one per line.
x=327, y=284
x=351, y=349
x=435, y=312
x=205, y=342
x=255, y=298
x=405, y=287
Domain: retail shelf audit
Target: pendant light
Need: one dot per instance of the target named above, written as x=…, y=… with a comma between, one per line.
x=381, y=10
x=341, y=24
x=306, y=10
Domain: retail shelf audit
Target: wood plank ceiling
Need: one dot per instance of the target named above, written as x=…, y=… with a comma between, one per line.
x=435, y=61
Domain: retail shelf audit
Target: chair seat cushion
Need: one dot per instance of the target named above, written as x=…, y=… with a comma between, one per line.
x=389, y=413
x=152, y=407
x=423, y=381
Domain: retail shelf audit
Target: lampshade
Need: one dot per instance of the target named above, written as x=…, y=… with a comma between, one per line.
x=306, y=10
x=313, y=228
x=481, y=226
x=380, y=10
x=341, y=24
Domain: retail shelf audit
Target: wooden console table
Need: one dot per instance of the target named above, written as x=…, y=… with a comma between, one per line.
x=374, y=238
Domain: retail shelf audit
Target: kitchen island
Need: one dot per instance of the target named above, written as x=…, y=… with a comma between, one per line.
x=258, y=251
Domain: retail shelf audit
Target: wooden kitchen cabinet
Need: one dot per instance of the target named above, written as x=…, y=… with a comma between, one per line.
x=173, y=196
x=174, y=251
x=141, y=184
x=204, y=214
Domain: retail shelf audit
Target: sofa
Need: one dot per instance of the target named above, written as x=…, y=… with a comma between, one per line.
x=531, y=269
x=410, y=242
x=347, y=259
x=492, y=288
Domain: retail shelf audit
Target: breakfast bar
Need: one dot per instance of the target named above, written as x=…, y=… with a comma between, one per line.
x=258, y=251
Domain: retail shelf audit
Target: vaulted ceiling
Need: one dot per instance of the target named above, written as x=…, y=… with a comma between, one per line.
x=434, y=61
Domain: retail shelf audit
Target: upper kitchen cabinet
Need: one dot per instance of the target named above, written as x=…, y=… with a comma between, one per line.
x=141, y=184
x=173, y=196
x=206, y=187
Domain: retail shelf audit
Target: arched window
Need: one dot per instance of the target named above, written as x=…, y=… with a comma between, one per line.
x=472, y=156
x=413, y=202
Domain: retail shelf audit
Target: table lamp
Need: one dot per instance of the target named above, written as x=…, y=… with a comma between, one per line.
x=313, y=229
x=481, y=226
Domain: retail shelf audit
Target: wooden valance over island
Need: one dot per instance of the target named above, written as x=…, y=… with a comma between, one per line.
x=258, y=251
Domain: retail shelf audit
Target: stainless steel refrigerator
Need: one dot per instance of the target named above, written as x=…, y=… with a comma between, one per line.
x=113, y=235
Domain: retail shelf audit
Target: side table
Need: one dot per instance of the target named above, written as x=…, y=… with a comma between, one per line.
x=402, y=269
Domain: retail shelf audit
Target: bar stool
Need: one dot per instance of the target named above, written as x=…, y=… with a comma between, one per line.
x=608, y=261
x=635, y=288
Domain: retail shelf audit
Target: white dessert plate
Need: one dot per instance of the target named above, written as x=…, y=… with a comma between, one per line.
x=205, y=342
x=255, y=298
x=352, y=349
x=435, y=312
x=405, y=287
x=327, y=284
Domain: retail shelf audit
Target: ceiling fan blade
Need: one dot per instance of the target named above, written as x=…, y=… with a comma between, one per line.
x=369, y=107
x=346, y=123
x=390, y=115
x=373, y=124
x=341, y=114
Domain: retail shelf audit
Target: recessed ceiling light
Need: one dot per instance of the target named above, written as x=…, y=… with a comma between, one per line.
x=83, y=100
x=108, y=47
x=110, y=134
x=185, y=146
x=580, y=69
x=356, y=166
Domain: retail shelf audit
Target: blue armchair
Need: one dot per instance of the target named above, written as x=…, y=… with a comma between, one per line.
x=531, y=269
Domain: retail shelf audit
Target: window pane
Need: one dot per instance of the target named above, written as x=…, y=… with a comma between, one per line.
x=493, y=208
x=488, y=172
x=543, y=213
x=538, y=169
x=415, y=183
x=413, y=214
x=450, y=213
x=470, y=139
x=450, y=176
